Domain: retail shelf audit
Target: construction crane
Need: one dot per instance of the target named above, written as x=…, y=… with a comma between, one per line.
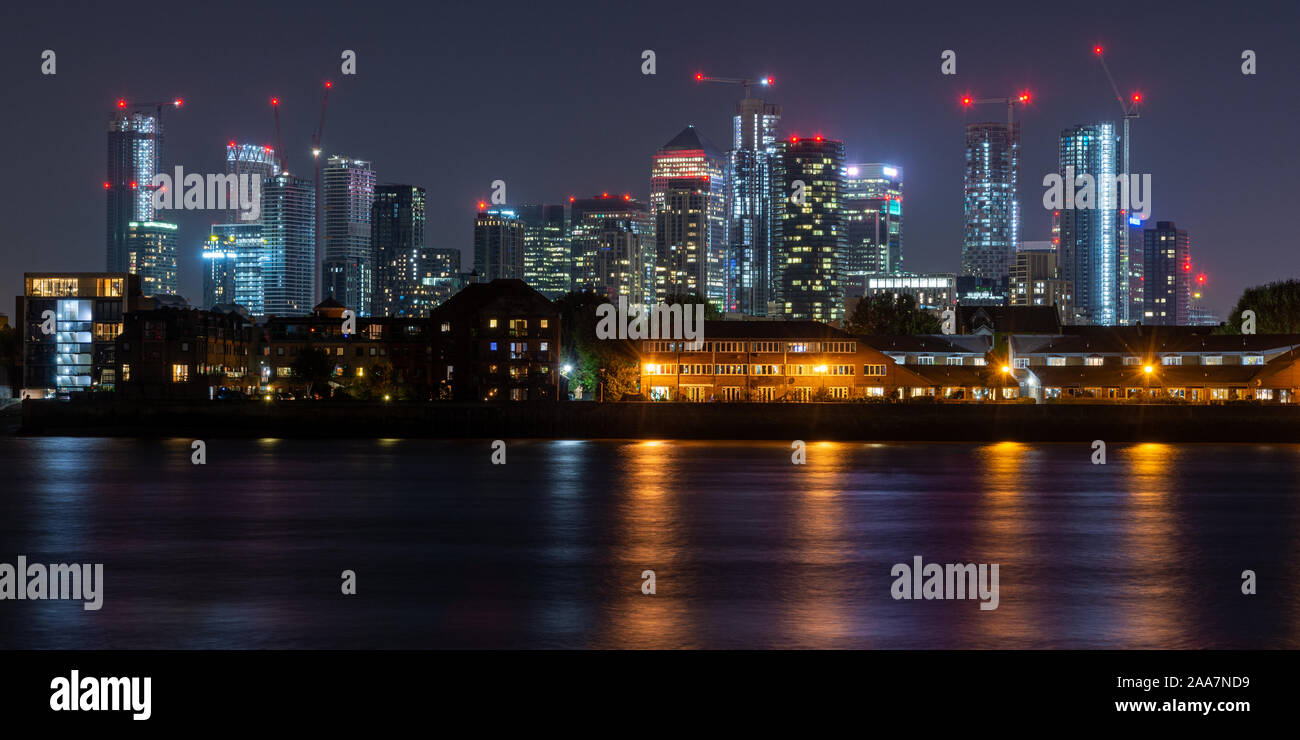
x=320, y=230
x=279, y=141
x=158, y=106
x=1022, y=98
x=763, y=81
x=1128, y=107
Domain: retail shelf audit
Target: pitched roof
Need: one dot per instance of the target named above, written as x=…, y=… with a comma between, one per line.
x=1133, y=376
x=928, y=343
x=476, y=295
x=1028, y=319
x=772, y=330
x=689, y=138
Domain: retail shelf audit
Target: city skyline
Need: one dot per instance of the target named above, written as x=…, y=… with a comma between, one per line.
x=921, y=135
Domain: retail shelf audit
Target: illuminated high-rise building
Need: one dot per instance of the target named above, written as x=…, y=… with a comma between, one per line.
x=498, y=244
x=688, y=156
x=547, y=259
x=440, y=278
x=151, y=254
x=1167, y=254
x=219, y=260
x=1089, y=248
x=232, y=269
x=873, y=220
x=348, y=262
x=809, y=180
x=248, y=159
x=681, y=233
x=751, y=212
x=134, y=157
x=613, y=254
x=289, y=231
x=992, y=210
x=397, y=225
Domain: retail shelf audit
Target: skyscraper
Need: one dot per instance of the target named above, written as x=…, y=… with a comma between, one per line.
x=397, y=225
x=248, y=159
x=348, y=191
x=809, y=179
x=1167, y=273
x=547, y=259
x=751, y=224
x=219, y=264
x=612, y=246
x=134, y=157
x=1089, y=254
x=289, y=234
x=440, y=278
x=681, y=237
x=151, y=254
x=992, y=211
x=498, y=244
x=689, y=156
x=232, y=270
x=873, y=219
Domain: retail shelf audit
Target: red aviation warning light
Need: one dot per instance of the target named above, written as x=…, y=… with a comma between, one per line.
x=817, y=138
x=328, y=84
x=275, y=101
x=482, y=205
x=134, y=185
x=1137, y=97
x=121, y=102
x=966, y=100
x=1024, y=97
x=699, y=76
x=627, y=196
x=1097, y=50
x=231, y=143
x=1200, y=279
x=572, y=199
x=107, y=185
x=178, y=102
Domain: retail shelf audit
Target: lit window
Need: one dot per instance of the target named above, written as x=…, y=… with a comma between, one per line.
x=492, y=323
x=126, y=371
x=180, y=373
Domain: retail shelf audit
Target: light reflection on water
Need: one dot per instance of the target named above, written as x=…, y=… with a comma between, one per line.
x=748, y=549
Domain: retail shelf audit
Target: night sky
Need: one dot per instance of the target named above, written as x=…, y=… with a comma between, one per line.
x=549, y=97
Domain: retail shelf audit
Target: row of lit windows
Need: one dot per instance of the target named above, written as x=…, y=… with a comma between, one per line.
x=672, y=369
x=753, y=347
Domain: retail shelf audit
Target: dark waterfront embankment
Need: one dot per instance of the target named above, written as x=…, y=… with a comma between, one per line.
x=577, y=420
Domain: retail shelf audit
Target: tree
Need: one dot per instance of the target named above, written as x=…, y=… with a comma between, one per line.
x=11, y=351
x=711, y=312
x=889, y=314
x=375, y=383
x=1276, y=306
x=312, y=367
x=612, y=362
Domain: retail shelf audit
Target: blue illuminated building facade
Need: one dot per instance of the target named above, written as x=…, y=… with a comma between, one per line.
x=1089, y=248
